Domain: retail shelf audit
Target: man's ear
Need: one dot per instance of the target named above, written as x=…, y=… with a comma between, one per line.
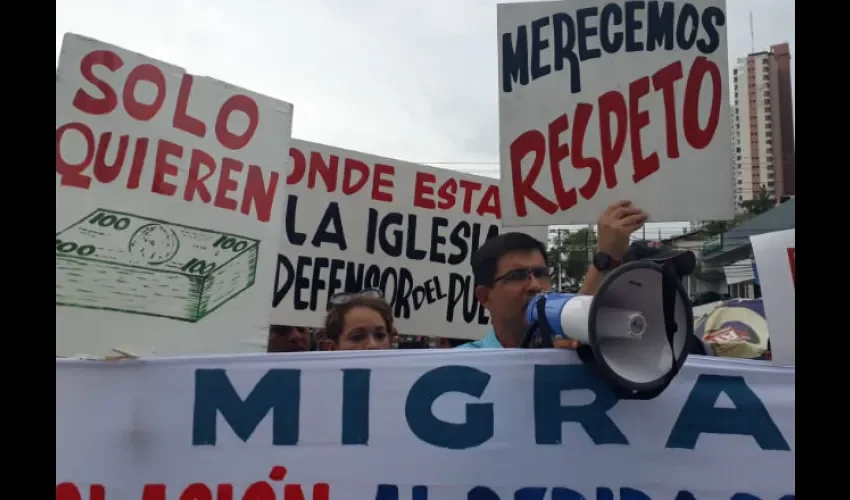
x=482, y=293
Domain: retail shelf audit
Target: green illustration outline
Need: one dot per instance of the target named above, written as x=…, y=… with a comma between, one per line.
x=195, y=313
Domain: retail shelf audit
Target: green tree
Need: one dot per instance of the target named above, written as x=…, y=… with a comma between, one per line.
x=570, y=256
x=761, y=203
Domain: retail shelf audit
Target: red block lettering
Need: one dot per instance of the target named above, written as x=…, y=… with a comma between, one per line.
x=447, y=193
x=182, y=120
x=469, y=187
x=154, y=492
x=558, y=152
x=299, y=166
x=69, y=491
x=643, y=166
x=163, y=169
x=664, y=80
x=104, y=172
x=621, y=118
x=144, y=73
x=792, y=261
x=612, y=103
x=490, y=203
x=327, y=170
x=258, y=195
x=582, y=118
x=235, y=103
x=196, y=182
x=383, y=178
x=423, y=190
x=72, y=174
x=135, y=175
x=226, y=184
x=351, y=167
x=698, y=137
x=97, y=105
x=529, y=142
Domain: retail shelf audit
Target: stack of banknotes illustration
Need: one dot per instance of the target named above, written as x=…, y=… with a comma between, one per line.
x=137, y=265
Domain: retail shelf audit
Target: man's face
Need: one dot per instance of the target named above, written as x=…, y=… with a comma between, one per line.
x=519, y=277
x=285, y=339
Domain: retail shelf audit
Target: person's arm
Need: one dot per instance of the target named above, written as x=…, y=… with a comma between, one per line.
x=615, y=226
x=592, y=280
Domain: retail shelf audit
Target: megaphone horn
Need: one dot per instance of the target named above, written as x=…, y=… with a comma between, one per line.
x=635, y=329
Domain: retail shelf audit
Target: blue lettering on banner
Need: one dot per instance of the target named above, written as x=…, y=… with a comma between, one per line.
x=391, y=492
x=549, y=382
x=564, y=40
x=478, y=425
x=748, y=418
x=278, y=392
x=355, y=406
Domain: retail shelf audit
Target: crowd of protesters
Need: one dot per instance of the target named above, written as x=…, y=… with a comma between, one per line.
x=510, y=269
x=286, y=338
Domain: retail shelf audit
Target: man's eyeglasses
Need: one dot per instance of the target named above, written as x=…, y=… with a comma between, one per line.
x=340, y=298
x=543, y=274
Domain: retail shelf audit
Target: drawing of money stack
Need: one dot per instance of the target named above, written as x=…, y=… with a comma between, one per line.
x=132, y=264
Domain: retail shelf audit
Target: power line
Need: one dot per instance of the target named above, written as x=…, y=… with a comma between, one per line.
x=493, y=163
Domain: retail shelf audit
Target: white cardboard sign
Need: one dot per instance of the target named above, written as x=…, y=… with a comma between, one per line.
x=169, y=205
x=356, y=221
x=775, y=255
x=436, y=424
x=602, y=101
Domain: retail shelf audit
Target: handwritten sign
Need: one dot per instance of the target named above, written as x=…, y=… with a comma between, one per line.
x=356, y=221
x=500, y=425
x=600, y=101
x=169, y=205
x=775, y=255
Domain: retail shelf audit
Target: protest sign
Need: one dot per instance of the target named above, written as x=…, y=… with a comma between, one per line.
x=775, y=255
x=416, y=425
x=169, y=205
x=602, y=101
x=356, y=221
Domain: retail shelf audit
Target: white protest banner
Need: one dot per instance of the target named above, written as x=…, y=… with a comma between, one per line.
x=776, y=255
x=601, y=101
x=169, y=205
x=356, y=221
x=417, y=425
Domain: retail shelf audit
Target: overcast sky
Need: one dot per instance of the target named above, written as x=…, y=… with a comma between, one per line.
x=404, y=79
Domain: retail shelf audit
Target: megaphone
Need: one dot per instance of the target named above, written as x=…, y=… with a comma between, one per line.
x=635, y=330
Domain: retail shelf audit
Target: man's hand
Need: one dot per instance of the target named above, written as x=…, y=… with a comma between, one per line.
x=616, y=224
x=566, y=344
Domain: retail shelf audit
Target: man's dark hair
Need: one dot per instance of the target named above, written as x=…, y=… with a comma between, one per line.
x=485, y=260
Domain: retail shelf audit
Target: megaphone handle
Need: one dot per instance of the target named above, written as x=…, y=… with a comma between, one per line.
x=529, y=335
x=546, y=333
x=539, y=327
x=669, y=291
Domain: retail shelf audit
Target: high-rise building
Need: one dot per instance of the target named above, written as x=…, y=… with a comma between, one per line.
x=763, y=124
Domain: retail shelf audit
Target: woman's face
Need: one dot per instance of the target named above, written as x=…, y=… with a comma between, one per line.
x=364, y=328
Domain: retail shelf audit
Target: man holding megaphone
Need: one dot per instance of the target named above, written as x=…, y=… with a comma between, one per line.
x=632, y=319
x=512, y=268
